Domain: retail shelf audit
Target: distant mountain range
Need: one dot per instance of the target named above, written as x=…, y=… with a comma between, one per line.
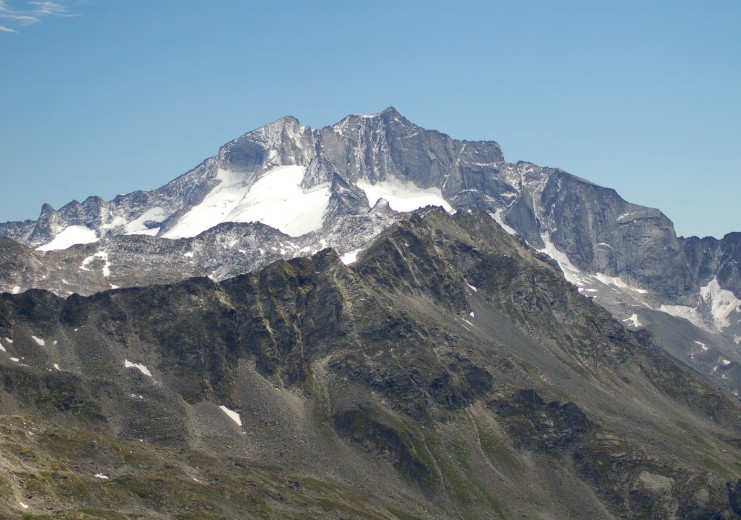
x=286, y=190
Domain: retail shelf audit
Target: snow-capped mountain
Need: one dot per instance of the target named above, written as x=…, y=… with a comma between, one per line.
x=287, y=190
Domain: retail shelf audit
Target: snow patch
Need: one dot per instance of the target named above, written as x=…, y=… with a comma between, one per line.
x=234, y=416
x=101, y=476
x=471, y=314
x=617, y=282
x=717, y=303
x=633, y=320
x=100, y=255
x=702, y=345
x=682, y=311
x=14, y=359
x=2, y=349
x=10, y=341
x=137, y=227
x=725, y=362
x=189, y=254
x=69, y=237
x=40, y=342
x=275, y=199
x=737, y=340
x=16, y=289
x=24, y=506
x=722, y=302
x=403, y=195
x=498, y=216
x=141, y=368
x=474, y=289
x=56, y=367
x=350, y=258
x=570, y=271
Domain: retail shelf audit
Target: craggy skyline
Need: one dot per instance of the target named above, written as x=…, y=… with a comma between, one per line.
x=100, y=98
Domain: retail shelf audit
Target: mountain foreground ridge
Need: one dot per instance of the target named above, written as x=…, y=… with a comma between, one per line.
x=448, y=372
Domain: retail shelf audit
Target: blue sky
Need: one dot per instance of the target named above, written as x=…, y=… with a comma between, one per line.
x=100, y=97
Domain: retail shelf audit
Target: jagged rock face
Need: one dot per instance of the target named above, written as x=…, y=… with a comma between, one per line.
x=626, y=256
x=430, y=379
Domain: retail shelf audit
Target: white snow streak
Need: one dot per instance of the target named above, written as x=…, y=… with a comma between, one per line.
x=101, y=476
x=234, y=416
x=570, y=271
x=38, y=341
x=69, y=237
x=141, y=368
x=403, y=195
x=498, y=216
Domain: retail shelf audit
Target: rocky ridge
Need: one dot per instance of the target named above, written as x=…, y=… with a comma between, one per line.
x=448, y=372
x=349, y=181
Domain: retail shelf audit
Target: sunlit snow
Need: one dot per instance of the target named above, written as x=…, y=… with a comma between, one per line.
x=403, y=195
x=38, y=341
x=234, y=416
x=570, y=271
x=275, y=199
x=617, y=282
x=702, y=345
x=101, y=476
x=100, y=255
x=350, y=258
x=722, y=303
x=137, y=227
x=141, y=368
x=633, y=320
x=69, y=237
x=498, y=216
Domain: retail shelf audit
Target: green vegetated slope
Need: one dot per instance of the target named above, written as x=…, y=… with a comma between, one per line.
x=448, y=373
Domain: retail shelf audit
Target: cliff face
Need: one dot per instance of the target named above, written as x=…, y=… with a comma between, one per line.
x=448, y=372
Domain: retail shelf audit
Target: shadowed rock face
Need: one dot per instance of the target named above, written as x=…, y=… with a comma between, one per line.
x=437, y=377
x=629, y=255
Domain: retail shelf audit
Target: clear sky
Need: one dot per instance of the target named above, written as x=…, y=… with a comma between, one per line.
x=100, y=97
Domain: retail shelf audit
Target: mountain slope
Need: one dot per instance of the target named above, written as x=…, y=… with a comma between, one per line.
x=447, y=373
x=341, y=185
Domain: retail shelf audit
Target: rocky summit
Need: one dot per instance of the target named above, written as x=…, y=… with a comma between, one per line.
x=369, y=320
x=449, y=372
x=286, y=190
